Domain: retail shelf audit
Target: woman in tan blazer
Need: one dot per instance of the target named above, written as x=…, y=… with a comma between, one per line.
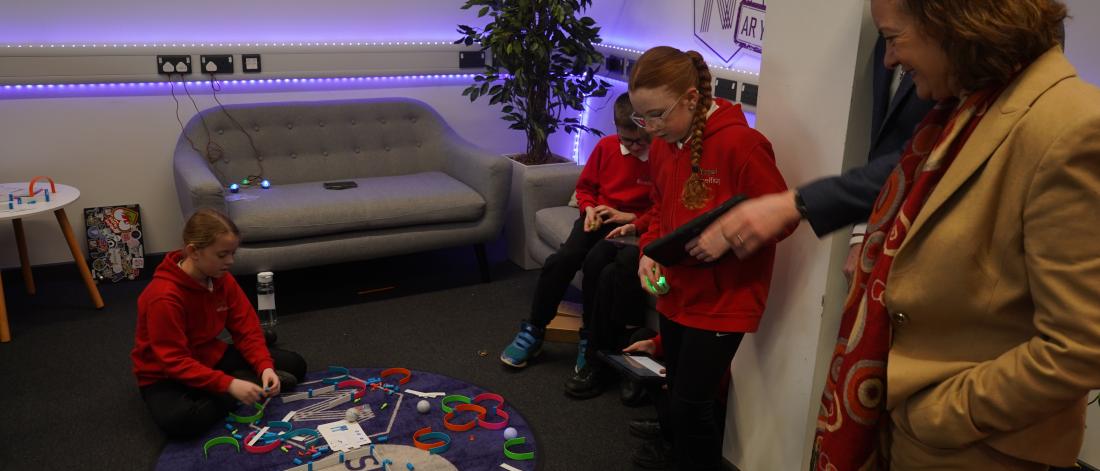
x=971, y=336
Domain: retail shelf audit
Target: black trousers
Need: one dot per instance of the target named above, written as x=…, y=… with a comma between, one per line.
x=697, y=362
x=560, y=268
x=612, y=296
x=183, y=412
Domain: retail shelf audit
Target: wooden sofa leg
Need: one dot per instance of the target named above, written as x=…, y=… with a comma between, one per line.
x=482, y=262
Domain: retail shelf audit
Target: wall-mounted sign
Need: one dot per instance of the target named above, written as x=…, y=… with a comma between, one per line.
x=728, y=27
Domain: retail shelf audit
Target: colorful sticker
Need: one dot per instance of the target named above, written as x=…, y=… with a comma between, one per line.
x=115, y=242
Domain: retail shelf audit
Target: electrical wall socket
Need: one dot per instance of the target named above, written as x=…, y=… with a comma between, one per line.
x=615, y=64
x=250, y=63
x=748, y=93
x=724, y=88
x=167, y=65
x=216, y=64
x=470, y=59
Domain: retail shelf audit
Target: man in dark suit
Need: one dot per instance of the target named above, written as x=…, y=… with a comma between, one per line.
x=832, y=202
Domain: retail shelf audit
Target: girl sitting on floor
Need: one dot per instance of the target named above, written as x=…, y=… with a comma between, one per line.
x=189, y=378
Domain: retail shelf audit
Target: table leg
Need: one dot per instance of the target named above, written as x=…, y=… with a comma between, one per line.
x=5, y=334
x=78, y=257
x=24, y=260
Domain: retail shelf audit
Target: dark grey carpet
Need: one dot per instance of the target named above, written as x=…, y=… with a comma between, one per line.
x=69, y=401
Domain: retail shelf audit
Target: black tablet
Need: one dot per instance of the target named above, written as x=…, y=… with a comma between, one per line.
x=669, y=250
x=638, y=367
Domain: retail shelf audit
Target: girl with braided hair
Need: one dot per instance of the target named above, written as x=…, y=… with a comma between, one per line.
x=704, y=153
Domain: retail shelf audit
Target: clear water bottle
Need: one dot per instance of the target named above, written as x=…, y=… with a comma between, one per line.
x=265, y=299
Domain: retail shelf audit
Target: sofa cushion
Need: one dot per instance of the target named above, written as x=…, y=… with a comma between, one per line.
x=307, y=209
x=554, y=224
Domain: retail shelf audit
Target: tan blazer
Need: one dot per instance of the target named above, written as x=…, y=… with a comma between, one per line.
x=994, y=298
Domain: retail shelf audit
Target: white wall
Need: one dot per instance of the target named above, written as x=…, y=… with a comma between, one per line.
x=1082, y=40
x=79, y=21
x=118, y=150
x=814, y=90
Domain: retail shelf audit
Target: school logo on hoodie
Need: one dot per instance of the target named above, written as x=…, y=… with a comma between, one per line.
x=727, y=27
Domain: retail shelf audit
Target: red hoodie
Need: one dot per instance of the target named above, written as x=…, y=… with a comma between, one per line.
x=613, y=179
x=178, y=324
x=728, y=295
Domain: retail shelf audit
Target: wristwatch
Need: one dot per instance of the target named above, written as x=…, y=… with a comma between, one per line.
x=800, y=205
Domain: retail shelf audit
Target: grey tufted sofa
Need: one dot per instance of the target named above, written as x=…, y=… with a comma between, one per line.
x=420, y=186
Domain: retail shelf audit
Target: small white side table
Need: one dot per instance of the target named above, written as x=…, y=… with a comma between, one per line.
x=65, y=194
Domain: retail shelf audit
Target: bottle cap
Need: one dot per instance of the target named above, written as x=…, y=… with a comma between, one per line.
x=265, y=277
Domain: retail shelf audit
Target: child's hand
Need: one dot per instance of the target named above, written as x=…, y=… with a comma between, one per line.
x=648, y=269
x=245, y=391
x=647, y=346
x=622, y=231
x=591, y=219
x=271, y=382
x=609, y=214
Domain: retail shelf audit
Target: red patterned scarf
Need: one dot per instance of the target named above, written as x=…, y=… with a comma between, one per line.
x=854, y=399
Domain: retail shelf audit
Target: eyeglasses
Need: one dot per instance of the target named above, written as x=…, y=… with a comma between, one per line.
x=641, y=141
x=654, y=121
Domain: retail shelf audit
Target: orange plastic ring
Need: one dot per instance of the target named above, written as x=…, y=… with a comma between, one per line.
x=468, y=425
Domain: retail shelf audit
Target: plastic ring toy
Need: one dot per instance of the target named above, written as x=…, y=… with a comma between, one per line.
x=452, y=398
x=425, y=434
x=340, y=372
x=530, y=455
x=393, y=371
x=360, y=386
x=494, y=425
x=468, y=425
x=213, y=442
x=478, y=399
x=258, y=449
x=251, y=418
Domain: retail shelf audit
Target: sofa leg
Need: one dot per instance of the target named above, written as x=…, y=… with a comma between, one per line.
x=482, y=262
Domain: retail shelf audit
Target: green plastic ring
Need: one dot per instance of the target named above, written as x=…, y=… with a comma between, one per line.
x=251, y=418
x=225, y=440
x=453, y=398
x=530, y=455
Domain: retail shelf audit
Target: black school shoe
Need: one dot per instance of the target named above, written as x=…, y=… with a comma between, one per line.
x=287, y=381
x=654, y=454
x=586, y=383
x=648, y=429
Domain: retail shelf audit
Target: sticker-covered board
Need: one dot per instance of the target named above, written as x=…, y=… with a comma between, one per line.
x=114, y=242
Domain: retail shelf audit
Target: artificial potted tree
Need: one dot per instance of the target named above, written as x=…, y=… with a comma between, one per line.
x=543, y=64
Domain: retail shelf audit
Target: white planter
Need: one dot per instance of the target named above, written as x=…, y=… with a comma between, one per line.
x=535, y=187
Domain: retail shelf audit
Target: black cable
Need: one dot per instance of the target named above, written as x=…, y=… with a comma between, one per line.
x=215, y=88
x=183, y=130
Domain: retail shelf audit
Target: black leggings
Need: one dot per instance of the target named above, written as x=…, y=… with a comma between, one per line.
x=183, y=412
x=560, y=268
x=697, y=362
x=612, y=297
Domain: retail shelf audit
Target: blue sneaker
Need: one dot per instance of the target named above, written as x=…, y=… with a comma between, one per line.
x=526, y=345
x=582, y=348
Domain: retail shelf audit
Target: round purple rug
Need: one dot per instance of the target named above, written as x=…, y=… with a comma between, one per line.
x=388, y=418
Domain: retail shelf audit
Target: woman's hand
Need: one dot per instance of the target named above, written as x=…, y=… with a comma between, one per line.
x=612, y=215
x=246, y=391
x=622, y=231
x=271, y=382
x=648, y=269
x=758, y=222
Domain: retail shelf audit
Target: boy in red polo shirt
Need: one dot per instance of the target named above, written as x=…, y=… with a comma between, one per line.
x=612, y=191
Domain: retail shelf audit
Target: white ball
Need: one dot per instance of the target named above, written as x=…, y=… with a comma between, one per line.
x=351, y=415
x=423, y=406
x=510, y=433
